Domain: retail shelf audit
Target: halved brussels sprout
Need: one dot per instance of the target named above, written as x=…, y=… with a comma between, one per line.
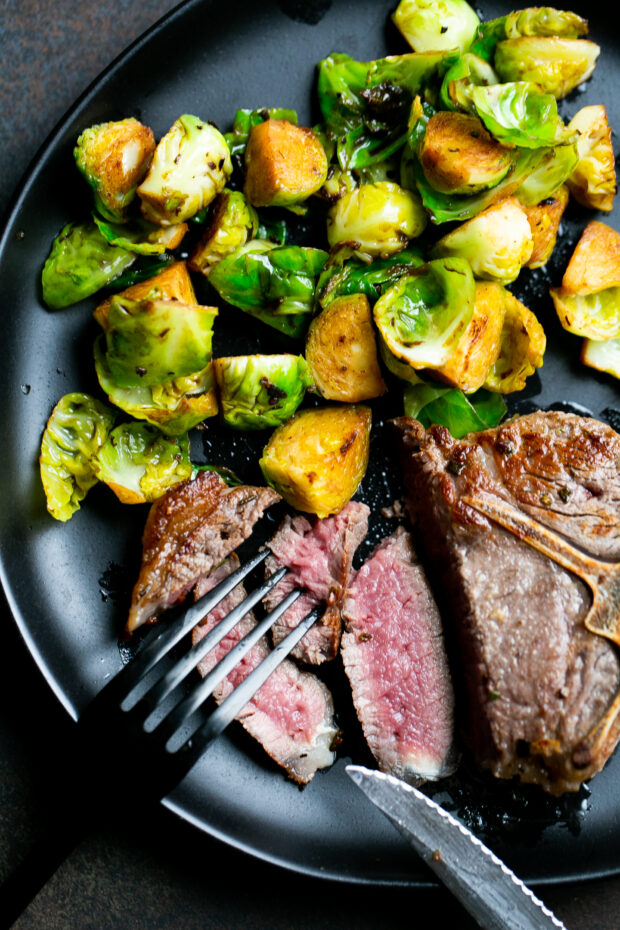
x=479, y=346
x=544, y=219
x=274, y=283
x=141, y=237
x=602, y=354
x=556, y=64
x=518, y=114
x=175, y=407
x=114, y=157
x=459, y=156
x=496, y=243
x=173, y=283
x=595, y=262
x=260, y=391
x=317, y=459
x=341, y=351
x=523, y=344
x=77, y=428
x=150, y=342
x=140, y=464
x=593, y=180
x=376, y=219
x=545, y=21
x=424, y=315
x=345, y=275
x=232, y=223
x=459, y=413
x=80, y=263
x=284, y=164
x=441, y=24
x=190, y=167
x=592, y=315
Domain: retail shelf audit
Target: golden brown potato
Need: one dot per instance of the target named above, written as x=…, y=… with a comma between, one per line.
x=459, y=156
x=480, y=344
x=595, y=263
x=593, y=181
x=544, y=219
x=284, y=164
x=317, y=459
x=523, y=344
x=341, y=351
x=173, y=283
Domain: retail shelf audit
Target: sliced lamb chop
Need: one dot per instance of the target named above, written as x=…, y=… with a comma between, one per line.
x=318, y=554
x=394, y=655
x=188, y=531
x=505, y=514
x=292, y=714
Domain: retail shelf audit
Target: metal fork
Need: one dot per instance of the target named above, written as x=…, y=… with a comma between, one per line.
x=138, y=726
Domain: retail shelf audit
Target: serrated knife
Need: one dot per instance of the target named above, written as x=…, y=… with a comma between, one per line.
x=484, y=885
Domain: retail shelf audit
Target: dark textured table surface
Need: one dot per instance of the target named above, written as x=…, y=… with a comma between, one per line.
x=154, y=871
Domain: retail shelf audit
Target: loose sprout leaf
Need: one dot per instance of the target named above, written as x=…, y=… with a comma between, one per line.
x=517, y=114
x=77, y=428
x=345, y=275
x=260, y=391
x=141, y=237
x=460, y=413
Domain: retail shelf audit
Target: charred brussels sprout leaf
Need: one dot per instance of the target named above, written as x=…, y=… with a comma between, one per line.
x=141, y=237
x=232, y=223
x=423, y=316
x=79, y=264
x=260, y=391
x=344, y=275
x=376, y=219
x=276, y=284
x=150, y=342
x=449, y=407
x=77, y=428
x=140, y=464
x=443, y=24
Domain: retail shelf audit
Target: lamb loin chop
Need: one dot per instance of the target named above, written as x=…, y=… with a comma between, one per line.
x=319, y=555
x=188, y=532
x=394, y=656
x=292, y=714
x=511, y=519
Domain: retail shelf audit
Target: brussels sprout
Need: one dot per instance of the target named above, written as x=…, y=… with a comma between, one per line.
x=517, y=114
x=244, y=122
x=175, y=407
x=428, y=25
x=595, y=262
x=273, y=283
x=479, y=346
x=545, y=21
x=544, y=219
x=190, y=167
x=232, y=223
x=467, y=72
x=79, y=264
x=341, y=351
x=114, y=157
x=523, y=344
x=496, y=243
x=604, y=355
x=593, y=180
x=594, y=315
x=556, y=64
x=376, y=219
x=424, y=315
x=150, y=342
x=260, y=391
x=459, y=156
x=284, y=164
x=317, y=459
x=449, y=407
x=173, y=283
x=78, y=426
x=141, y=237
x=552, y=169
x=140, y=464
x=345, y=275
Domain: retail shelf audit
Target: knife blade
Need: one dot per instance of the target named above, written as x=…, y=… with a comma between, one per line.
x=484, y=885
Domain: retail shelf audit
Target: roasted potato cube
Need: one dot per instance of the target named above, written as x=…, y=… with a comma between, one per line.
x=341, y=351
x=480, y=345
x=602, y=354
x=544, y=219
x=459, y=156
x=593, y=181
x=595, y=263
x=317, y=459
x=173, y=283
x=284, y=164
x=522, y=347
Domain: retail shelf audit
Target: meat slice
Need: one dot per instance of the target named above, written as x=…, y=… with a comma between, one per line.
x=319, y=555
x=394, y=656
x=188, y=531
x=543, y=692
x=292, y=715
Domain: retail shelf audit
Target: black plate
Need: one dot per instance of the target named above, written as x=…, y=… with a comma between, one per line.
x=67, y=584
